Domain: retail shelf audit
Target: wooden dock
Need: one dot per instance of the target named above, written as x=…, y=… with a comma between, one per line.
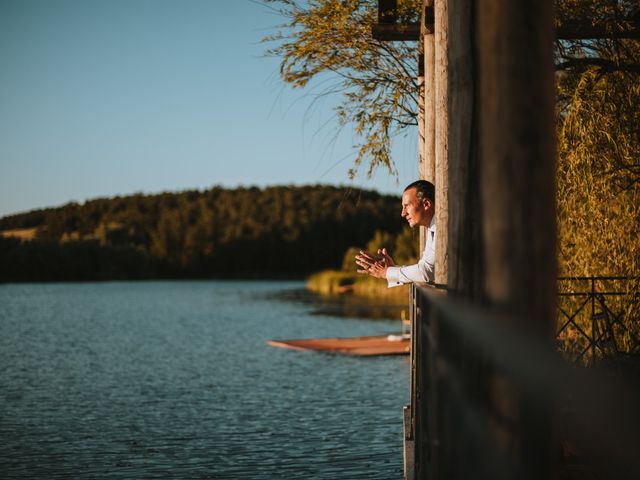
x=357, y=346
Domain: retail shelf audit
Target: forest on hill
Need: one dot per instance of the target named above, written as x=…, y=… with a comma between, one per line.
x=273, y=232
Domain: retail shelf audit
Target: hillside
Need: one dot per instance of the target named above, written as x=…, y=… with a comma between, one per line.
x=274, y=232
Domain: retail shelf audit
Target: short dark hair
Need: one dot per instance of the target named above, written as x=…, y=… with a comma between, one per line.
x=424, y=189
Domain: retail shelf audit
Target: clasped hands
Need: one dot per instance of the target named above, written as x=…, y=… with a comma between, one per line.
x=374, y=265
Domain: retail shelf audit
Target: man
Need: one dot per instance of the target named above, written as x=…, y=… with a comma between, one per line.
x=418, y=208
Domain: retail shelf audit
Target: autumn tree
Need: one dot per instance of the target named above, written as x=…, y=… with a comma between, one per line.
x=598, y=180
x=327, y=46
x=599, y=140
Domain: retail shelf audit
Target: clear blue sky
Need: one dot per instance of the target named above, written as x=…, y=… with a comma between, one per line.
x=112, y=97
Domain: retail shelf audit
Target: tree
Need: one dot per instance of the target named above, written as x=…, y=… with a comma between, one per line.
x=599, y=141
x=328, y=43
x=606, y=25
x=598, y=194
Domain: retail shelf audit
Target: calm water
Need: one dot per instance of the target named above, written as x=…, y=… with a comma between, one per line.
x=174, y=379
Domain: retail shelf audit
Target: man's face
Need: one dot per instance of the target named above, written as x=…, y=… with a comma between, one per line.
x=416, y=212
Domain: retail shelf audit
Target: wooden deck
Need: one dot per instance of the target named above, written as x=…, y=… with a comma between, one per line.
x=358, y=346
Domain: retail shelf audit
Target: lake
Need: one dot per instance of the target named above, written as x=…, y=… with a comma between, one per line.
x=174, y=379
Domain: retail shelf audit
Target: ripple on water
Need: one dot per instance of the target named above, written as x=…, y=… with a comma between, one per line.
x=157, y=379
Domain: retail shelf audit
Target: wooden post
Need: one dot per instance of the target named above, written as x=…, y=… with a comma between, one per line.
x=494, y=170
x=408, y=452
x=428, y=170
x=517, y=208
x=441, y=139
x=464, y=225
x=428, y=160
x=517, y=165
x=422, y=148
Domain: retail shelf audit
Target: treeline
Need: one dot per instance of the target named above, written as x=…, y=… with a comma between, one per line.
x=275, y=232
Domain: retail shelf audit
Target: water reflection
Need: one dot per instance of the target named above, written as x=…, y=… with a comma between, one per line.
x=157, y=379
x=344, y=305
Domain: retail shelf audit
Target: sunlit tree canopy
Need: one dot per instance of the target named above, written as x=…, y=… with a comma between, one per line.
x=327, y=46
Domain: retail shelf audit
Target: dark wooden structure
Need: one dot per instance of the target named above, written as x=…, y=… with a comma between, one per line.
x=491, y=401
x=486, y=381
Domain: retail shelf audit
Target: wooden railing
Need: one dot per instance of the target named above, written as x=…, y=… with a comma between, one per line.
x=489, y=401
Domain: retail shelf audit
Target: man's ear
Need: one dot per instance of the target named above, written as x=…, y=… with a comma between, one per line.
x=426, y=203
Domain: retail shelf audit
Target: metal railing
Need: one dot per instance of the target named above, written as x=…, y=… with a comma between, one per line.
x=598, y=318
x=490, y=402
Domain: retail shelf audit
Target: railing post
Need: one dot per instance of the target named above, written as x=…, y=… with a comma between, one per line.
x=421, y=391
x=408, y=411
x=424, y=392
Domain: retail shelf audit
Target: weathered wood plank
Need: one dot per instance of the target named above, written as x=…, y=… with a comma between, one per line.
x=464, y=231
x=428, y=159
x=441, y=137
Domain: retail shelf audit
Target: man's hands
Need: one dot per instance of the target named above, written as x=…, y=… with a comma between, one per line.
x=374, y=265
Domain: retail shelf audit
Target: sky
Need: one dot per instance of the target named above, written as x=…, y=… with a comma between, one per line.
x=105, y=98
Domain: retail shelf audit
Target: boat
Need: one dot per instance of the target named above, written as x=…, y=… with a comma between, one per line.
x=357, y=346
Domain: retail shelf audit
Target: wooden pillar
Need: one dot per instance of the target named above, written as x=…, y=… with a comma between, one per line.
x=517, y=164
x=427, y=126
x=464, y=248
x=515, y=111
x=441, y=138
x=428, y=170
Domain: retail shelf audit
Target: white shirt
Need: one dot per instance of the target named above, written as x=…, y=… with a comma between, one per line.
x=424, y=270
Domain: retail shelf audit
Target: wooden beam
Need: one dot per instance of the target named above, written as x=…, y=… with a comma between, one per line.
x=588, y=31
x=388, y=30
x=410, y=32
x=400, y=32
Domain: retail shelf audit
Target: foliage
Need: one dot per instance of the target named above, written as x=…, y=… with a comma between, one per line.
x=380, y=239
x=406, y=246
x=403, y=246
x=598, y=116
x=244, y=232
x=348, y=261
x=331, y=282
x=376, y=288
x=603, y=54
x=330, y=42
x=598, y=193
x=598, y=190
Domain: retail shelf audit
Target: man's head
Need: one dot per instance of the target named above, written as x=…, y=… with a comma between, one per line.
x=418, y=203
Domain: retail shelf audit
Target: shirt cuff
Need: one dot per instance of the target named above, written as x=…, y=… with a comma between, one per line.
x=393, y=274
